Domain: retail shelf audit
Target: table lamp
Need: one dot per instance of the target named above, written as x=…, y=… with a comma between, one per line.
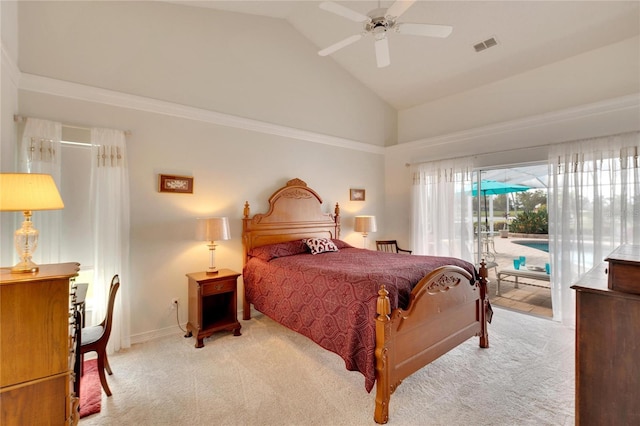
x=212, y=229
x=27, y=192
x=365, y=224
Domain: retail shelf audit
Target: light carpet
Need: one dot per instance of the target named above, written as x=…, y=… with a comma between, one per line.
x=273, y=376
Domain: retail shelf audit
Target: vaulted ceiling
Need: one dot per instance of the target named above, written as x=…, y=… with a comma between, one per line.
x=529, y=34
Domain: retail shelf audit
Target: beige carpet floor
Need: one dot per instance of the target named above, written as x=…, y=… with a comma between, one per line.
x=272, y=376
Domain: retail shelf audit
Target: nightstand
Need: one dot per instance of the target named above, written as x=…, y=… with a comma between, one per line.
x=213, y=301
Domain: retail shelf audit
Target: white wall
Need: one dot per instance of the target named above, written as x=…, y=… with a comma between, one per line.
x=230, y=166
x=244, y=65
x=314, y=122
x=8, y=106
x=597, y=75
x=173, y=130
x=513, y=120
x=503, y=144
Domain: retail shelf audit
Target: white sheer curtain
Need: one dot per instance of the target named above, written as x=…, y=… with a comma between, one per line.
x=39, y=152
x=110, y=207
x=442, y=217
x=594, y=206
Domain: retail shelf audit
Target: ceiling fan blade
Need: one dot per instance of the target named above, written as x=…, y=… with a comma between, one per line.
x=399, y=7
x=427, y=30
x=345, y=12
x=382, y=52
x=339, y=45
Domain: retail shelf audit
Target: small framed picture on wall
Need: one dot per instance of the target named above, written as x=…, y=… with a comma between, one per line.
x=178, y=184
x=356, y=194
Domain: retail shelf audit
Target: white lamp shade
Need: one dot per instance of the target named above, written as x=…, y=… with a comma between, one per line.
x=28, y=191
x=213, y=229
x=365, y=224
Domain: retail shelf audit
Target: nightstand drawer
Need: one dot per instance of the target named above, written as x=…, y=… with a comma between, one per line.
x=219, y=287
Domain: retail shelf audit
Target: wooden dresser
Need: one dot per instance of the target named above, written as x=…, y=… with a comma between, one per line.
x=607, y=352
x=36, y=347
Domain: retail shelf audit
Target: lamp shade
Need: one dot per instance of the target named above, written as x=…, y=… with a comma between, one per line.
x=28, y=191
x=365, y=224
x=213, y=229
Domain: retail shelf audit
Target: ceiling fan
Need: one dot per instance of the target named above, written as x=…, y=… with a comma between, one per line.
x=378, y=23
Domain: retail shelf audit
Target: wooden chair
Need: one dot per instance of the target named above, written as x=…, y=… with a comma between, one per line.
x=390, y=246
x=95, y=338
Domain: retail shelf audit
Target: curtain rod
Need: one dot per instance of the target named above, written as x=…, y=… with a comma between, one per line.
x=475, y=156
x=19, y=119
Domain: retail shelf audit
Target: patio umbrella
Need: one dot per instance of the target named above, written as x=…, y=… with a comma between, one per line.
x=494, y=187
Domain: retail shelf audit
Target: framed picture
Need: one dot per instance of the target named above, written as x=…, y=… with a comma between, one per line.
x=356, y=194
x=179, y=184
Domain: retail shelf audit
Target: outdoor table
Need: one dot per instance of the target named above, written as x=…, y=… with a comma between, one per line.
x=523, y=273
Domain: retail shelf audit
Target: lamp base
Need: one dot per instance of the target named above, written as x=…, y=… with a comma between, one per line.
x=25, y=266
x=364, y=240
x=26, y=241
x=212, y=270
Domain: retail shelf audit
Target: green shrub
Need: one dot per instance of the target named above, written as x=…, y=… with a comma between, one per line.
x=531, y=222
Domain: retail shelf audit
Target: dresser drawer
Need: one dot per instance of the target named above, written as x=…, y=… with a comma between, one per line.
x=219, y=287
x=624, y=269
x=38, y=402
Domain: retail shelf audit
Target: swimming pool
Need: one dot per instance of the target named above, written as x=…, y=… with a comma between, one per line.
x=542, y=245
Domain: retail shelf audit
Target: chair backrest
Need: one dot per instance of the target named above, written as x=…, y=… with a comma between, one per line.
x=390, y=246
x=108, y=319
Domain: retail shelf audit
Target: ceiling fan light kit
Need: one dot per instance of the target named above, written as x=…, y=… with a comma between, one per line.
x=379, y=22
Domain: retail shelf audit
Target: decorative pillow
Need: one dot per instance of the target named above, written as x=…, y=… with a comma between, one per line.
x=273, y=251
x=341, y=244
x=320, y=245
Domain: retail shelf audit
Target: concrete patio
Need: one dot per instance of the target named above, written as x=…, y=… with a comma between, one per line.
x=534, y=300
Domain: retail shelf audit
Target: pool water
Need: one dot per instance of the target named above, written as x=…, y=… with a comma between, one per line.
x=542, y=245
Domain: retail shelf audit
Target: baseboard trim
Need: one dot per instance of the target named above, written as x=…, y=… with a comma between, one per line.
x=156, y=334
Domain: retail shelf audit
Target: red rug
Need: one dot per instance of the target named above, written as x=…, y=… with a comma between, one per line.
x=90, y=389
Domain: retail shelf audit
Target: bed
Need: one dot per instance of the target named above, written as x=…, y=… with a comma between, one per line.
x=387, y=315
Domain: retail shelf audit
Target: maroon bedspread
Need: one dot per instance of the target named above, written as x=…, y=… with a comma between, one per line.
x=331, y=297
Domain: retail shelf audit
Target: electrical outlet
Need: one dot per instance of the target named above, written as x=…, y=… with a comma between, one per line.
x=174, y=303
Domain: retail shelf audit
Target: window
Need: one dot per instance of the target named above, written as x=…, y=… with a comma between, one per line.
x=75, y=177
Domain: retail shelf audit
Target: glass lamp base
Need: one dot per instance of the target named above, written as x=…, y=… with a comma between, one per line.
x=212, y=259
x=25, y=266
x=26, y=241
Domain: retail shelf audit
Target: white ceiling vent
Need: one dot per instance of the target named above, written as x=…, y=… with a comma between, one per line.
x=490, y=42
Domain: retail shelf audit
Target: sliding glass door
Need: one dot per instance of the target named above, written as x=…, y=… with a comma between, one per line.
x=511, y=235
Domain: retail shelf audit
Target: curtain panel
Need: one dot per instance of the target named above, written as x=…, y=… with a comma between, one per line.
x=39, y=152
x=594, y=206
x=442, y=215
x=110, y=209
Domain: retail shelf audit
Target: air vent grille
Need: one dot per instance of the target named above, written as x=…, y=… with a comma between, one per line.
x=483, y=45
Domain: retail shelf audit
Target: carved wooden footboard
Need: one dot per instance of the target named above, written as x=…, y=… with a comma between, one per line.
x=444, y=311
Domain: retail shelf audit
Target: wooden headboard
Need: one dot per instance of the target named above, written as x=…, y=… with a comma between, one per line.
x=295, y=212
